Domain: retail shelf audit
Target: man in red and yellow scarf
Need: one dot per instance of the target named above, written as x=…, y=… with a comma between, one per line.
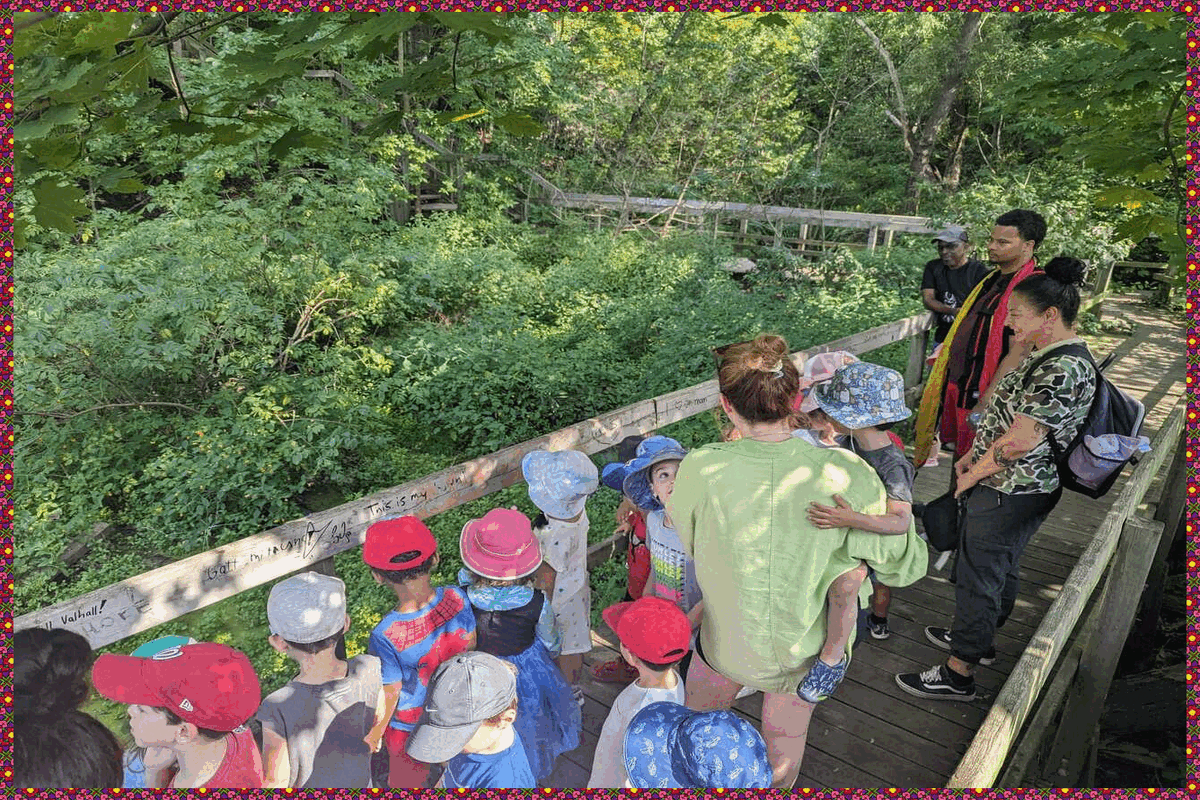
x=976, y=352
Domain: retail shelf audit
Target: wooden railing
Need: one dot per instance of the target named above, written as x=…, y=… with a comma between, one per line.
x=714, y=216
x=143, y=601
x=1122, y=548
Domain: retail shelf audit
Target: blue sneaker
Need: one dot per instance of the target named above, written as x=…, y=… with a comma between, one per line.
x=822, y=680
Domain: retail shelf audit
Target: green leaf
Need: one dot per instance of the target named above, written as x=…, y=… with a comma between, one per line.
x=186, y=127
x=1121, y=195
x=50, y=118
x=391, y=121
x=121, y=180
x=520, y=125
x=1153, y=172
x=104, y=30
x=772, y=20
x=294, y=138
x=55, y=152
x=1105, y=37
x=133, y=68
x=58, y=204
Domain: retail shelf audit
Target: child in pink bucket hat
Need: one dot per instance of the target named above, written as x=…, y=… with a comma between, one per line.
x=514, y=621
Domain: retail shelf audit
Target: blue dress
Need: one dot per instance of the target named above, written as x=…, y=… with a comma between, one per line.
x=517, y=624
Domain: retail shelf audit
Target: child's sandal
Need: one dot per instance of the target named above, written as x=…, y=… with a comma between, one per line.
x=821, y=680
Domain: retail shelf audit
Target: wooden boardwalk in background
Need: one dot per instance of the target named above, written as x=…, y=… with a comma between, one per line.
x=872, y=734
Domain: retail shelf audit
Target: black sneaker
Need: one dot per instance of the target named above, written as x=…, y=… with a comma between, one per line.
x=941, y=637
x=878, y=627
x=935, y=684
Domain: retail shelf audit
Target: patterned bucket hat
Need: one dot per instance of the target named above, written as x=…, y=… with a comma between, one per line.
x=633, y=476
x=669, y=746
x=861, y=395
x=560, y=482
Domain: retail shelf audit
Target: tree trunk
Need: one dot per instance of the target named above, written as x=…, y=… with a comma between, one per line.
x=921, y=145
x=952, y=173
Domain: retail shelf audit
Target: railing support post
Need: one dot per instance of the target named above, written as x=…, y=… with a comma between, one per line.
x=916, y=358
x=1170, y=513
x=1100, y=286
x=1098, y=663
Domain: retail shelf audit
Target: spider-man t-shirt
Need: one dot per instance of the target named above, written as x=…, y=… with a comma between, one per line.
x=411, y=646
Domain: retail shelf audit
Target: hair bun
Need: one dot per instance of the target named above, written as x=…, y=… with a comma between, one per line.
x=771, y=351
x=1067, y=270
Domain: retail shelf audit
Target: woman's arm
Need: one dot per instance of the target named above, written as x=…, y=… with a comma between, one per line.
x=896, y=521
x=1022, y=436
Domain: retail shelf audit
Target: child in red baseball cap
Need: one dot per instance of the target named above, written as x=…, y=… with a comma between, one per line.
x=427, y=626
x=192, y=700
x=654, y=635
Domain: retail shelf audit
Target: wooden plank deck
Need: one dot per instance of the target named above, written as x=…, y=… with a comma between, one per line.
x=872, y=734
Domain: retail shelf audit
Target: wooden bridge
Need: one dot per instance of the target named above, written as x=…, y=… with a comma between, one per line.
x=869, y=733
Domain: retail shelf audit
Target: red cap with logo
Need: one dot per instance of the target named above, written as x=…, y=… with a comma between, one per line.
x=389, y=539
x=207, y=684
x=653, y=629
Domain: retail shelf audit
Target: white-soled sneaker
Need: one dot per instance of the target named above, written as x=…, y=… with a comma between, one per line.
x=935, y=684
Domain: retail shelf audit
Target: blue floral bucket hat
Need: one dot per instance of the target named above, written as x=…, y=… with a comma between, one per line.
x=861, y=395
x=560, y=482
x=633, y=477
x=669, y=746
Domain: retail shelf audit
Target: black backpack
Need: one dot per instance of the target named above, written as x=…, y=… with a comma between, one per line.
x=1112, y=411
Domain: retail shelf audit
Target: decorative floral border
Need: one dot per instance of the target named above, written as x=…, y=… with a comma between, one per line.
x=1192, y=430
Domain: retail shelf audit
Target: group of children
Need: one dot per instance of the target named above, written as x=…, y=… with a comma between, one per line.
x=483, y=678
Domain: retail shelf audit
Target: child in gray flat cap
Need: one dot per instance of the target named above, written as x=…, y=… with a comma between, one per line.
x=467, y=723
x=315, y=728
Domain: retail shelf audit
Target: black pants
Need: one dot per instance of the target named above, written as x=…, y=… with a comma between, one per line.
x=995, y=530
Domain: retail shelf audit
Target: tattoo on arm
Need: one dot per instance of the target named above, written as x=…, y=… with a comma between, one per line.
x=1005, y=455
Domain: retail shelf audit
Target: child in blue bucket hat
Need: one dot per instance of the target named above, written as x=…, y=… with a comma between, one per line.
x=669, y=746
x=559, y=484
x=648, y=479
x=862, y=401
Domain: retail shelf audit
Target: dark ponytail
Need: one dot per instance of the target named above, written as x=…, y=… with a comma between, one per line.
x=1057, y=288
x=50, y=672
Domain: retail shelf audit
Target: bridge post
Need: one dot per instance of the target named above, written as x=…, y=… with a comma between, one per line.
x=1101, y=284
x=916, y=358
x=1098, y=663
x=1170, y=513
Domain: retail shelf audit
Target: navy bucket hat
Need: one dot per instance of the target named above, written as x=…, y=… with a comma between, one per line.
x=633, y=476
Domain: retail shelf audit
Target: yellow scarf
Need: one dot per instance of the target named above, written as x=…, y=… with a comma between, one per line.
x=928, y=415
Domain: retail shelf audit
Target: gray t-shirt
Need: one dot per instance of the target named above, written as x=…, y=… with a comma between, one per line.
x=324, y=726
x=894, y=470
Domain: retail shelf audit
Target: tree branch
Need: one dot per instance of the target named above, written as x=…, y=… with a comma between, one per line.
x=892, y=74
x=69, y=415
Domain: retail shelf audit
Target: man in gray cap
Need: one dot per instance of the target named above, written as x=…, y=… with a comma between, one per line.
x=949, y=278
